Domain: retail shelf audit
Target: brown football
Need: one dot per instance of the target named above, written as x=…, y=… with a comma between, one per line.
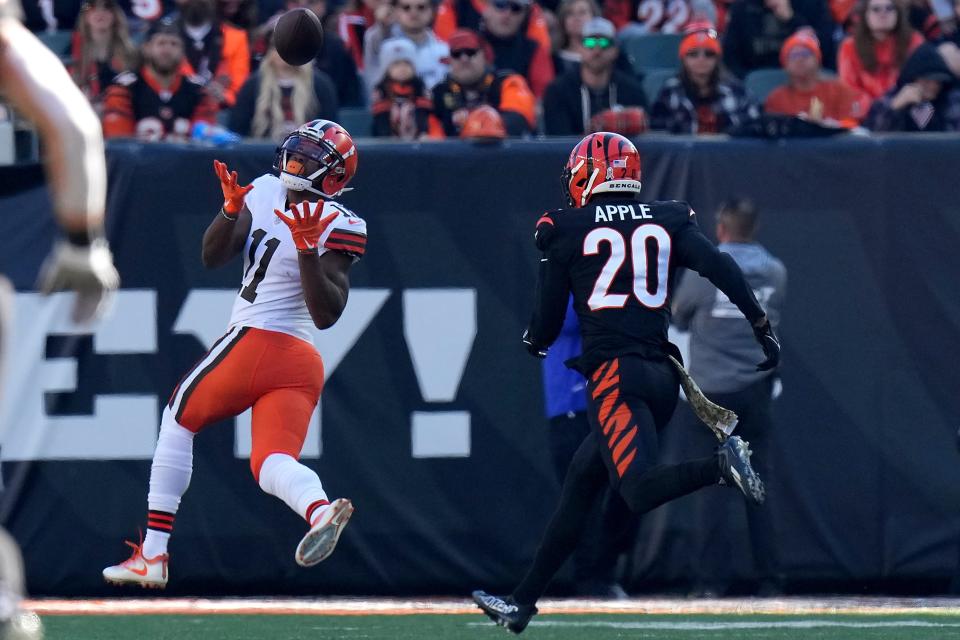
x=298, y=36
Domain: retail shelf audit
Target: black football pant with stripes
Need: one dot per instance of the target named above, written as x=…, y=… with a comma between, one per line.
x=630, y=399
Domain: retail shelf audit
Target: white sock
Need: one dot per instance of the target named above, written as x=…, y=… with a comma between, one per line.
x=169, y=479
x=295, y=484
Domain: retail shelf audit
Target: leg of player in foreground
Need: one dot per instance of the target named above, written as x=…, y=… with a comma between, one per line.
x=621, y=450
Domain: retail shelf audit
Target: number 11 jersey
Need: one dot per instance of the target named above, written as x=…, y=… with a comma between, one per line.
x=271, y=296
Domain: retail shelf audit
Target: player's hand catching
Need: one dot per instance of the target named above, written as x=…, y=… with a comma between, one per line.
x=233, y=193
x=771, y=345
x=306, y=226
x=532, y=348
x=88, y=270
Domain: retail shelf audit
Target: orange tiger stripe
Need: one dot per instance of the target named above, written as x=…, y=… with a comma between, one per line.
x=608, y=403
x=623, y=444
x=618, y=421
x=625, y=463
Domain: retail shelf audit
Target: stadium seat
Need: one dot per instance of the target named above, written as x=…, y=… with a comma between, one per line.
x=358, y=121
x=653, y=81
x=57, y=41
x=760, y=82
x=652, y=51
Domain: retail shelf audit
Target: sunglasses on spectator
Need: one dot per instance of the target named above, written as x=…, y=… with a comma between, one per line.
x=697, y=53
x=597, y=42
x=883, y=8
x=800, y=53
x=463, y=53
x=409, y=8
x=515, y=7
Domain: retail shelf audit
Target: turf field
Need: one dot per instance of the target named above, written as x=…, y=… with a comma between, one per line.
x=838, y=619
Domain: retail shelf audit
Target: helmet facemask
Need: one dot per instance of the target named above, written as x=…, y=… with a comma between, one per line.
x=304, y=163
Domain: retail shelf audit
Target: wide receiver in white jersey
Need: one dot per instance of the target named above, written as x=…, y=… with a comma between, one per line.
x=295, y=276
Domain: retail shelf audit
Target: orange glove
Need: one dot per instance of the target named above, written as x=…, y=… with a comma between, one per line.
x=305, y=226
x=233, y=194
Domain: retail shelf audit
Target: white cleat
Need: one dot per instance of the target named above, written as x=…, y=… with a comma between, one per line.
x=322, y=538
x=150, y=573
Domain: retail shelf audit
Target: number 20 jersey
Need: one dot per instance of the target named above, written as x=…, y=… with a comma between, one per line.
x=271, y=296
x=620, y=257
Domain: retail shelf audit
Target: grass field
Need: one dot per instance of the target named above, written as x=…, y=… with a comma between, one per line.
x=562, y=620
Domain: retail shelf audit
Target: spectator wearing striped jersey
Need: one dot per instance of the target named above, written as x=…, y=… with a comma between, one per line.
x=472, y=83
x=157, y=102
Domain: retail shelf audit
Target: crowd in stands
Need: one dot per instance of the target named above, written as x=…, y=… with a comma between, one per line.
x=424, y=69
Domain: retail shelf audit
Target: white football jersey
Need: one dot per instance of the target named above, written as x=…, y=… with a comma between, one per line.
x=271, y=296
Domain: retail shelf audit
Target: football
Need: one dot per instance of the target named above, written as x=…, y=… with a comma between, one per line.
x=298, y=36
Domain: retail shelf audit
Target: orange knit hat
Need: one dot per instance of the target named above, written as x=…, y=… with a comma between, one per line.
x=700, y=35
x=802, y=38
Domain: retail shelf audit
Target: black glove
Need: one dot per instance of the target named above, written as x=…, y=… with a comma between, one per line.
x=532, y=348
x=771, y=345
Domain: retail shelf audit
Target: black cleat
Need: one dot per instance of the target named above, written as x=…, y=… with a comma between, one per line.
x=735, y=470
x=504, y=611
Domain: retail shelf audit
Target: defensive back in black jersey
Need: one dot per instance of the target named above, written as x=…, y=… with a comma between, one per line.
x=619, y=258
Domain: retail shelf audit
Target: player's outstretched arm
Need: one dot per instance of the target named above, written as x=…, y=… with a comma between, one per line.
x=550, y=307
x=325, y=278
x=227, y=233
x=697, y=253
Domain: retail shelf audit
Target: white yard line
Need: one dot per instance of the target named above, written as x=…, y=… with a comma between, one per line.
x=398, y=606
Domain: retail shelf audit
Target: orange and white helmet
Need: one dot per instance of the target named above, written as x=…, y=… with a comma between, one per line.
x=602, y=162
x=319, y=157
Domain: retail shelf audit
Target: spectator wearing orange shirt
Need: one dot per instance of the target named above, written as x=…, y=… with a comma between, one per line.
x=806, y=93
x=871, y=58
x=513, y=50
x=217, y=53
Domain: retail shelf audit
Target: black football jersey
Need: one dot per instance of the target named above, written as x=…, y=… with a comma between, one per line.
x=619, y=258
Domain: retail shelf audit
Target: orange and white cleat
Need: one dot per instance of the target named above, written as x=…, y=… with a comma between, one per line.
x=150, y=573
x=322, y=538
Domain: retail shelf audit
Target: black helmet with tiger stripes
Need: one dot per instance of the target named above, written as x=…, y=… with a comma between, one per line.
x=602, y=162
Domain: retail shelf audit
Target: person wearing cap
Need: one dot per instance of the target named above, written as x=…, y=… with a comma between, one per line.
x=216, y=52
x=279, y=97
x=400, y=102
x=513, y=50
x=701, y=98
x=757, y=29
x=471, y=83
x=596, y=96
x=410, y=19
x=157, y=102
x=101, y=48
x=925, y=98
x=808, y=94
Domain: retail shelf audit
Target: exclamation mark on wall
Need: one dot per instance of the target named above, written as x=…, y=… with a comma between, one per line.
x=440, y=326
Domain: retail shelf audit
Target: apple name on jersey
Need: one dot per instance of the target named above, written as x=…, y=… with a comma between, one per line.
x=271, y=296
